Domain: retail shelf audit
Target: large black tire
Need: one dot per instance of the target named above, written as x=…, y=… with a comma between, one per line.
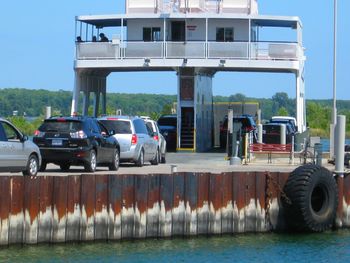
x=313, y=199
x=90, y=166
x=114, y=166
x=141, y=160
x=155, y=161
x=32, y=167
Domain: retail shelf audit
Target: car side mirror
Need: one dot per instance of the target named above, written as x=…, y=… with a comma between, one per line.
x=24, y=138
x=112, y=132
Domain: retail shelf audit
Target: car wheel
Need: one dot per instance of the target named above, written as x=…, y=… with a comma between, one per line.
x=155, y=161
x=141, y=160
x=65, y=167
x=43, y=166
x=32, y=166
x=163, y=159
x=90, y=166
x=114, y=166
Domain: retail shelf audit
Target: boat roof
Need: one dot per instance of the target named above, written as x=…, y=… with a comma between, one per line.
x=257, y=20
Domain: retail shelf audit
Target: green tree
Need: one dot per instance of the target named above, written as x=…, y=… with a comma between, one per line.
x=282, y=112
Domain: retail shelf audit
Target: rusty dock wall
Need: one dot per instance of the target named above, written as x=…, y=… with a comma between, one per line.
x=116, y=207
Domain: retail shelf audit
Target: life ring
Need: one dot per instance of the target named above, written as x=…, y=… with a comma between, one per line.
x=311, y=199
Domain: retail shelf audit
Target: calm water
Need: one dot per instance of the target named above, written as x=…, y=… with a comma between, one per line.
x=325, y=144
x=327, y=247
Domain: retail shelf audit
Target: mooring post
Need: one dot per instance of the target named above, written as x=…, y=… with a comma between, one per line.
x=339, y=164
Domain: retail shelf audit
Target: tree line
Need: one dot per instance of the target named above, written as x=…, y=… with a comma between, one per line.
x=24, y=102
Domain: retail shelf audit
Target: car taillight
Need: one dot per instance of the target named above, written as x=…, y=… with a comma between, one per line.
x=134, y=139
x=156, y=137
x=38, y=133
x=78, y=135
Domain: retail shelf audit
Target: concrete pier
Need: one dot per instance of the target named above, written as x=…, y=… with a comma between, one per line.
x=60, y=209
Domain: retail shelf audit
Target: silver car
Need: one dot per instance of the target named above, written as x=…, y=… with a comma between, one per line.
x=135, y=139
x=158, y=137
x=17, y=152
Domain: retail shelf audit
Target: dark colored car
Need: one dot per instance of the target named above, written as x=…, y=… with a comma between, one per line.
x=67, y=141
x=168, y=128
x=272, y=133
x=248, y=126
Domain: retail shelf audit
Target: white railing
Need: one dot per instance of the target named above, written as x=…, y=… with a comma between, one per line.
x=97, y=50
x=185, y=49
x=191, y=50
x=275, y=51
x=143, y=50
x=233, y=50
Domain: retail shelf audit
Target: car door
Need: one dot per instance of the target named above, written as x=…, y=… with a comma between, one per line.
x=102, y=153
x=15, y=155
x=3, y=148
x=152, y=143
x=109, y=146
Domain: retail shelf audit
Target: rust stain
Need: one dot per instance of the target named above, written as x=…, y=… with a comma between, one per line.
x=141, y=192
x=46, y=190
x=5, y=197
x=128, y=191
x=347, y=189
x=179, y=189
x=250, y=187
x=191, y=190
x=101, y=192
x=227, y=189
x=73, y=189
x=340, y=182
x=261, y=189
x=60, y=196
x=32, y=195
x=215, y=193
x=88, y=192
x=239, y=189
x=203, y=189
x=115, y=186
x=153, y=191
x=17, y=187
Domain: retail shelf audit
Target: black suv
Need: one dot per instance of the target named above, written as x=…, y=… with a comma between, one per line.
x=248, y=126
x=67, y=141
x=168, y=128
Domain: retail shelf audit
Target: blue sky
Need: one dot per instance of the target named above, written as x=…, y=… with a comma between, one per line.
x=37, y=50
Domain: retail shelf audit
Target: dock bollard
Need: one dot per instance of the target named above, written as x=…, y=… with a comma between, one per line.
x=173, y=168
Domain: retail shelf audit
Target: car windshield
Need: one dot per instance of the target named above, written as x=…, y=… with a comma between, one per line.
x=118, y=126
x=61, y=126
x=167, y=121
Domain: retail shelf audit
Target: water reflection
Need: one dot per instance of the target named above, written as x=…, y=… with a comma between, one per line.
x=327, y=247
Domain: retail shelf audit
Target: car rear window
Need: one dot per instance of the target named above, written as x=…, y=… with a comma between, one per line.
x=61, y=126
x=167, y=121
x=119, y=126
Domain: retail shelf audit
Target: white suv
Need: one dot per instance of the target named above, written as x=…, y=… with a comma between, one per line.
x=158, y=137
x=17, y=153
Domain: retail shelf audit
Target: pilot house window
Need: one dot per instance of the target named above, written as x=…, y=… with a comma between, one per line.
x=224, y=34
x=151, y=34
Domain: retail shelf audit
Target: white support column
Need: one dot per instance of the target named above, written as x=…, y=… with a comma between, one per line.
x=250, y=38
x=86, y=99
x=300, y=101
x=164, y=38
x=96, y=89
x=76, y=93
x=104, y=94
x=206, y=38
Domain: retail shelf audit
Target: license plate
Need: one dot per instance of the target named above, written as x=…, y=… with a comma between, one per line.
x=56, y=142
